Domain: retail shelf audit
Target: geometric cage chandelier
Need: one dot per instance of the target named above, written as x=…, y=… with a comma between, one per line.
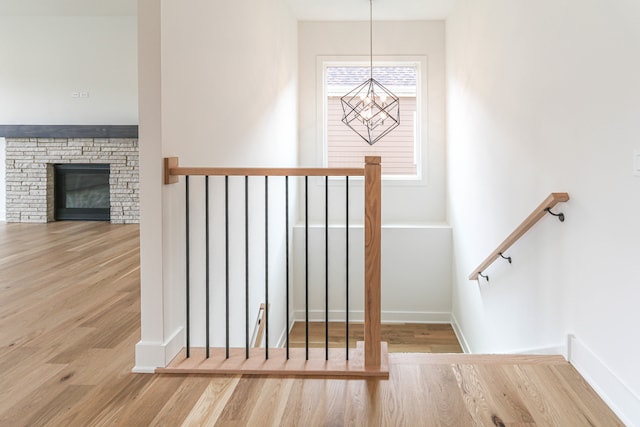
x=371, y=110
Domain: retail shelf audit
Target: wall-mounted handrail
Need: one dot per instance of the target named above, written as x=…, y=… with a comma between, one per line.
x=530, y=221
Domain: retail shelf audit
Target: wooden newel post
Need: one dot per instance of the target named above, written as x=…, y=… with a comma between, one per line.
x=372, y=249
x=170, y=162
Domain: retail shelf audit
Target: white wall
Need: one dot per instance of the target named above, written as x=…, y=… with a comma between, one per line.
x=416, y=242
x=224, y=93
x=417, y=202
x=545, y=97
x=416, y=274
x=46, y=59
x=159, y=339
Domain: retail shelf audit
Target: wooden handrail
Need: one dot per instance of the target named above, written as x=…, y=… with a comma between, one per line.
x=371, y=172
x=173, y=170
x=530, y=221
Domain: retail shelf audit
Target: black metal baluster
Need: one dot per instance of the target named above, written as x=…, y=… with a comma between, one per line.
x=266, y=267
x=347, y=266
x=286, y=227
x=226, y=258
x=246, y=265
x=206, y=232
x=306, y=265
x=188, y=278
x=326, y=268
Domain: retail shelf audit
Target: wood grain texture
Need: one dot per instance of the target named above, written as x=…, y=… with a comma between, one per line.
x=400, y=337
x=266, y=171
x=64, y=285
x=535, y=216
x=172, y=171
x=277, y=365
x=372, y=251
x=261, y=326
x=69, y=131
x=169, y=164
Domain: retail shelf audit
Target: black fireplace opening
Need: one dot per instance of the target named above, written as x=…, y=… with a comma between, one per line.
x=82, y=192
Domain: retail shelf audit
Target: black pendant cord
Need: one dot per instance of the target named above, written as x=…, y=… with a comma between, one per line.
x=371, y=36
x=188, y=275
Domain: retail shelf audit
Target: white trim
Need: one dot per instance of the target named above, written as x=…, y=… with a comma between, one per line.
x=282, y=341
x=143, y=370
x=461, y=338
x=359, y=225
x=387, y=316
x=549, y=351
x=611, y=388
x=152, y=355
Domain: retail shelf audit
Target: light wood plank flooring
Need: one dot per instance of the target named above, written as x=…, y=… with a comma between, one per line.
x=69, y=320
x=400, y=337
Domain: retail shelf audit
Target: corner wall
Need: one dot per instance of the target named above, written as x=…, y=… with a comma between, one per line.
x=220, y=89
x=416, y=240
x=545, y=97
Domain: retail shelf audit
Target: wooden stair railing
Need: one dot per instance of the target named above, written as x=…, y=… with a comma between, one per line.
x=535, y=216
x=369, y=359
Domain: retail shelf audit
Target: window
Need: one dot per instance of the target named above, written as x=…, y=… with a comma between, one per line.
x=400, y=149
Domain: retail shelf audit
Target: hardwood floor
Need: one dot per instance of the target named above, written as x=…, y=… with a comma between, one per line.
x=69, y=321
x=401, y=338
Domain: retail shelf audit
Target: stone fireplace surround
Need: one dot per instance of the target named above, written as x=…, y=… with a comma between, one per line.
x=30, y=157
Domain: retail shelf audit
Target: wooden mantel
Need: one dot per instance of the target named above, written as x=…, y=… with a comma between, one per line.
x=69, y=131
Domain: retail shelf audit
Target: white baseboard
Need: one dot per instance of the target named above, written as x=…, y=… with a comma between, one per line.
x=387, y=316
x=282, y=341
x=611, y=388
x=152, y=355
x=548, y=351
x=461, y=338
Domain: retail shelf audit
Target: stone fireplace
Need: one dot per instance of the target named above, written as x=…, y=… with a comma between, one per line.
x=30, y=175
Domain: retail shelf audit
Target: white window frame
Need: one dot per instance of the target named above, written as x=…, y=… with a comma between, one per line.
x=420, y=62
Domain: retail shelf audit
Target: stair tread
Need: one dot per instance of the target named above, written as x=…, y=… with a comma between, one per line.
x=475, y=359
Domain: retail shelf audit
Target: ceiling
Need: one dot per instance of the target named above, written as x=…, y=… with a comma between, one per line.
x=304, y=10
x=358, y=10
